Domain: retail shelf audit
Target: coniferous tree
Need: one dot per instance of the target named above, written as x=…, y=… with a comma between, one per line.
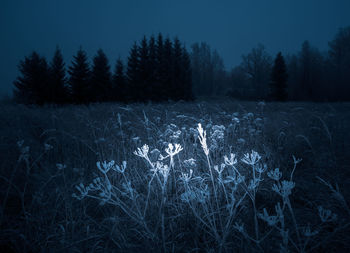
x=167, y=69
x=100, y=87
x=158, y=76
x=279, y=76
x=339, y=58
x=32, y=86
x=176, y=89
x=133, y=74
x=58, y=89
x=79, y=78
x=305, y=59
x=152, y=63
x=144, y=70
x=119, y=82
x=186, y=79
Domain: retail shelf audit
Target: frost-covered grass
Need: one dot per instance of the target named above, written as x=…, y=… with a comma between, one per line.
x=187, y=177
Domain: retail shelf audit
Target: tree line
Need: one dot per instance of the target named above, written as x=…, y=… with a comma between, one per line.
x=308, y=75
x=157, y=69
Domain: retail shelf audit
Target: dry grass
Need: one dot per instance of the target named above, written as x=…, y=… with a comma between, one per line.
x=38, y=212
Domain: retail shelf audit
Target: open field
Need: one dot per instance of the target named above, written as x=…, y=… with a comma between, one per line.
x=219, y=190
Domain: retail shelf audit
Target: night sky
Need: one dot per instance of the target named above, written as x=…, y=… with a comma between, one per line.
x=232, y=27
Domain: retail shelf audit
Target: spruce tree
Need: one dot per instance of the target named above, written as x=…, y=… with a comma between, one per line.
x=133, y=74
x=279, y=76
x=167, y=70
x=152, y=65
x=144, y=71
x=186, y=76
x=58, y=89
x=157, y=93
x=79, y=78
x=31, y=87
x=100, y=87
x=176, y=89
x=306, y=61
x=119, y=82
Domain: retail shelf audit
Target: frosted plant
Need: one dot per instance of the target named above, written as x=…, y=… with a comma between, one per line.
x=252, y=158
x=326, y=215
x=260, y=168
x=284, y=189
x=105, y=166
x=190, y=163
x=241, y=141
x=121, y=168
x=307, y=232
x=237, y=179
x=175, y=135
x=254, y=183
x=24, y=151
x=163, y=169
x=230, y=161
x=235, y=120
x=271, y=220
x=171, y=151
x=195, y=194
x=60, y=166
x=82, y=190
x=219, y=171
x=222, y=167
x=142, y=152
x=217, y=137
x=239, y=227
x=154, y=154
x=185, y=177
x=48, y=147
x=275, y=174
x=203, y=139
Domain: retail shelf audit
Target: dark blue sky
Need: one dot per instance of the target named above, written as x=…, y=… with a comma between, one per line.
x=232, y=27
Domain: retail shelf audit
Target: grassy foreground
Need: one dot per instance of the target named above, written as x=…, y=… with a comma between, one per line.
x=252, y=177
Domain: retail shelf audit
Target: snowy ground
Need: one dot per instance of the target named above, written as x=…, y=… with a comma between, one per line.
x=219, y=190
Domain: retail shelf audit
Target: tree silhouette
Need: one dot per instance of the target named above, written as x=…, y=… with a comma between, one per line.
x=167, y=70
x=186, y=76
x=176, y=86
x=100, y=86
x=157, y=87
x=207, y=70
x=79, y=78
x=152, y=68
x=32, y=86
x=133, y=75
x=339, y=55
x=119, y=82
x=278, y=84
x=144, y=71
x=305, y=61
x=58, y=91
x=257, y=66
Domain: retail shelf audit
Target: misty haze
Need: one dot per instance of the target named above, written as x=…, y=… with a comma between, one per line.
x=175, y=126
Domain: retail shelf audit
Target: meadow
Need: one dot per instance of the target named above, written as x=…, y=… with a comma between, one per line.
x=205, y=176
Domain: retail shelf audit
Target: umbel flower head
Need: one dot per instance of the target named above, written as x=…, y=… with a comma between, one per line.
x=230, y=161
x=142, y=152
x=251, y=158
x=171, y=151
